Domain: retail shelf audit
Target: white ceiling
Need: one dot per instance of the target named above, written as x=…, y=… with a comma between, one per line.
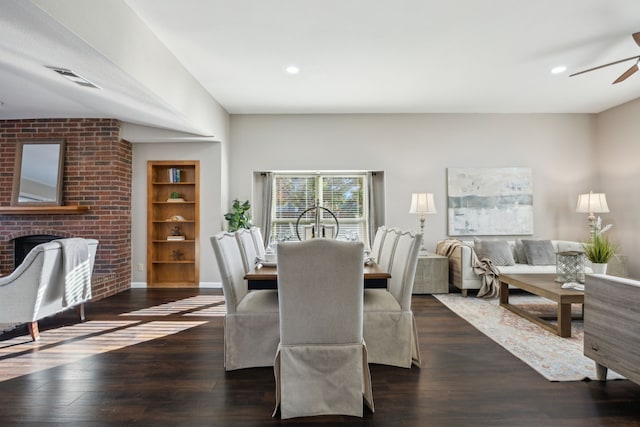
x=355, y=56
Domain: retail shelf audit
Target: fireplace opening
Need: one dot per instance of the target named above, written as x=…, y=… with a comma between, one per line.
x=23, y=245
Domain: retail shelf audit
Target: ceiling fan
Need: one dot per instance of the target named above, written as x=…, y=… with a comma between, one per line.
x=626, y=74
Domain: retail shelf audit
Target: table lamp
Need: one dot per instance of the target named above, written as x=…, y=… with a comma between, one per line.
x=592, y=203
x=422, y=203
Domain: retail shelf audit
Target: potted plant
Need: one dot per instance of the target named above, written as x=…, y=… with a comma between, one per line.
x=175, y=197
x=239, y=218
x=599, y=250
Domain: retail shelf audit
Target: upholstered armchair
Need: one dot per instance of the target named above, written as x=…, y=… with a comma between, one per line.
x=44, y=284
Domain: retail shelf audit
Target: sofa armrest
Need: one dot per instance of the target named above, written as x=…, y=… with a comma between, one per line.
x=461, y=273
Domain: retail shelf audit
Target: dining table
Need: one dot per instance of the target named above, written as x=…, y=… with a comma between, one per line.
x=266, y=277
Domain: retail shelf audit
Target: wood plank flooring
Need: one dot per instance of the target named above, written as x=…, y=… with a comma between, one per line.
x=154, y=357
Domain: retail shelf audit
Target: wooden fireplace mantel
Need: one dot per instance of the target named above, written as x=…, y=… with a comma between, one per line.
x=43, y=210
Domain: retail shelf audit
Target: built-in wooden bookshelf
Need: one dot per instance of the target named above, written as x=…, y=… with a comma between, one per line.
x=173, y=224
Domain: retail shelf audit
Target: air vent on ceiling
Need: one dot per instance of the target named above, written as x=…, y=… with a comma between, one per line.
x=70, y=75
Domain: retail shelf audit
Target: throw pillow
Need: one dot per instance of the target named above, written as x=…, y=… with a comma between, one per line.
x=539, y=252
x=498, y=251
x=521, y=255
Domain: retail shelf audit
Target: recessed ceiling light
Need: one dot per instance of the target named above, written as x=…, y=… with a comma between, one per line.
x=559, y=69
x=292, y=69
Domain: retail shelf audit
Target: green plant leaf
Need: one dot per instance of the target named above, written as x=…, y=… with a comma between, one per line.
x=238, y=217
x=599, y=249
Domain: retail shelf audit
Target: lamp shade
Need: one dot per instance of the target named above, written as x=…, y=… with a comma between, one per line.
x=422, y=203
x=592, y=203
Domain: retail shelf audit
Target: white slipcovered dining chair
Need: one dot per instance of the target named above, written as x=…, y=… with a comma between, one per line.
x=381, y=232
x=248, y=249
x=251, y=331
x=258, y=241
x=389, y=324
x=387, y=246
x=321, y=365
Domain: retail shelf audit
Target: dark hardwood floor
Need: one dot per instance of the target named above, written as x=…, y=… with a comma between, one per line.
x=165, y=368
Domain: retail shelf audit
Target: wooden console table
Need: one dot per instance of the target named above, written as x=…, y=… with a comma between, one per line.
x=611, y=320
x=618, y=266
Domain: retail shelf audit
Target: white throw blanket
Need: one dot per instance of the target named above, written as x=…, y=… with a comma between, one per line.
x=75, y=259
x=482, y=267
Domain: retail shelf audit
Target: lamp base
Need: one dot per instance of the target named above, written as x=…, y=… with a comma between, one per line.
x=422, y=248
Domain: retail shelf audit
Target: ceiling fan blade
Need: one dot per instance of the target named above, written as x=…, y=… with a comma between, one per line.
x=605, y=65
x=636, y=38
x=627, y=73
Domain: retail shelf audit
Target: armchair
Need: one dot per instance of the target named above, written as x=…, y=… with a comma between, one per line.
x=38, y=289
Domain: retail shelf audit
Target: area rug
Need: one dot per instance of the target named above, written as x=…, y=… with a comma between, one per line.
x=555, y=358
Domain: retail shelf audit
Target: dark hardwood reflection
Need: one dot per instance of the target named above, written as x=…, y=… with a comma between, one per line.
x=466, y=379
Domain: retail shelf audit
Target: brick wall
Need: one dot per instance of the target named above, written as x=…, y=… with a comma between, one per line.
x=97, y=172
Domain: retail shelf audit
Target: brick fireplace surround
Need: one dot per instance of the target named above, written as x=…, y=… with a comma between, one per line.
x=97, y=172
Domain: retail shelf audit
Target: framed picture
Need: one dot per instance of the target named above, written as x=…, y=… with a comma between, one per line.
x=489, y=201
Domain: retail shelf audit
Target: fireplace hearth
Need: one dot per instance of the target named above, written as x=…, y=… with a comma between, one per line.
x=24, y=244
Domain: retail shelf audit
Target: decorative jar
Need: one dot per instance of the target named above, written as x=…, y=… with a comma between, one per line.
x=570, y=267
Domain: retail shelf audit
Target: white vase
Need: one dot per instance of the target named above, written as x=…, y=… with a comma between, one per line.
x=599, y=268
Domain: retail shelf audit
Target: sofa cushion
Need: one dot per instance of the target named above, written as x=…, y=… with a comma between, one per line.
x=539, y=252
x=527, y=269
x=521, y=255
x=498, y=251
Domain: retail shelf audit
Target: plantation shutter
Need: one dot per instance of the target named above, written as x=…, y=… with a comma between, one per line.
x=344, y=195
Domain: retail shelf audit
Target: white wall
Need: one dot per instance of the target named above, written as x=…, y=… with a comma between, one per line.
x=619, y=177
x=415, y=150
x=568, y=153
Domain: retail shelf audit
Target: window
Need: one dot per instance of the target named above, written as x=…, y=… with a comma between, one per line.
x=344, y=194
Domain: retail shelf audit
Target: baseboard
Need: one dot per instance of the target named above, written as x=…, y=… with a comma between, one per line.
x=214, y=285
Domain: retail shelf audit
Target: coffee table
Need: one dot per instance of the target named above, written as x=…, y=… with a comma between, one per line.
x=543, y=285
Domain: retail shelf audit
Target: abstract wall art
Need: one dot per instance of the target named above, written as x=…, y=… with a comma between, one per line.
x=489, y=201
